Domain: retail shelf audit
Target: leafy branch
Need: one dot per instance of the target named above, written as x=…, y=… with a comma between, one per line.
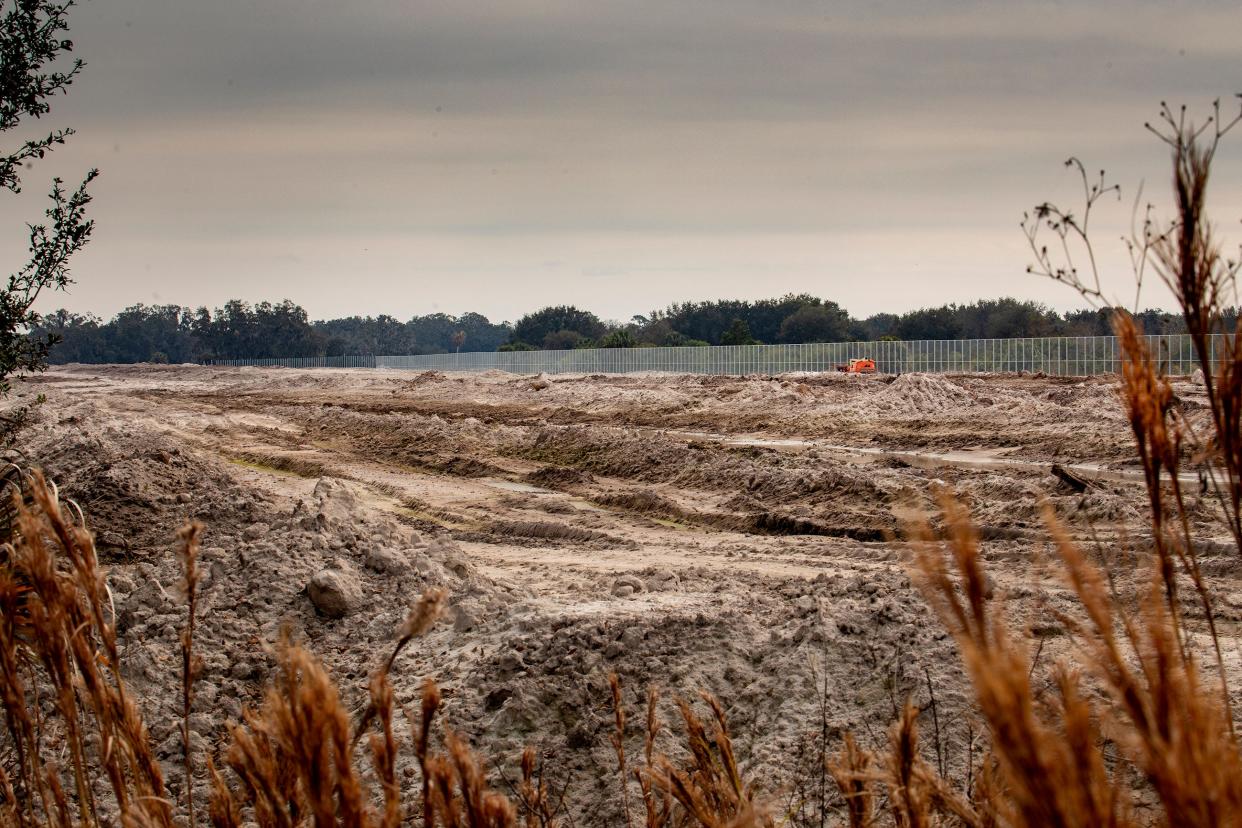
x=33, y=47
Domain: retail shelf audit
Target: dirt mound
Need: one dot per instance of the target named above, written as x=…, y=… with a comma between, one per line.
x=428, y=376
x=291, y=463
x=557, y=477
x=259, y=556
x=653, y=458
x=765, y=659
x=142, y=369
x=920, y=394
x=135, y=487
x=643, y=502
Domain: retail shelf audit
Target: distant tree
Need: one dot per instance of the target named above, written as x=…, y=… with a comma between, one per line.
x=365, y=335
x=459, y=339
x=738, y=334
x=658, y=331
x=335, y=346
x=146, y=333
x=283, y=330
x=565, y=340
x=1004, y=319
x=238, y=331
x=227, y=333
x=31, y=41
x=79, y=337
x=555, y=328
x=481, y=333
x=816, y=323
x=139, y=332
x=879, y=326
x=1087, y=322
x=1153, y=322
x=931, y=323
x=433, y=333
x=765, y=316
x=707, y=321
x=620, y=338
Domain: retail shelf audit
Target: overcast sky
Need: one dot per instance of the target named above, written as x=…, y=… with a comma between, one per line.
x=412, y=157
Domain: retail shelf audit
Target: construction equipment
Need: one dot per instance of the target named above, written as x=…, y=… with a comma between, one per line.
x=857, y=366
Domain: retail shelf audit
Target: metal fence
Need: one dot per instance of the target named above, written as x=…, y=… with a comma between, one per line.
x=1060, y=356
x=363, y=361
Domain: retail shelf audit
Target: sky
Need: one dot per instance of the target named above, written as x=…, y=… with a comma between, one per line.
x=418, y=157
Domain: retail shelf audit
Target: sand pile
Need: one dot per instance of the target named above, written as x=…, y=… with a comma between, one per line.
x=767, y=659
x=920, y=394
x=326, y=569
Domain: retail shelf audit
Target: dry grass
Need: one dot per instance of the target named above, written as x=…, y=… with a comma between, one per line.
x=190, y=665
x=1134, y=698
x=1136, y=682
x=58, y=648
x=708, y=789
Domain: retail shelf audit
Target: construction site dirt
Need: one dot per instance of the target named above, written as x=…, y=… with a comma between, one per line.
x=740, y=536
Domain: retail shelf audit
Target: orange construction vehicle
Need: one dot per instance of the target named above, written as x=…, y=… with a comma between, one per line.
x=858, y=366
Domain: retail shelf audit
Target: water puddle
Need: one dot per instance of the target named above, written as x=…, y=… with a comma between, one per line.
x=745, y=440
x=771, y=442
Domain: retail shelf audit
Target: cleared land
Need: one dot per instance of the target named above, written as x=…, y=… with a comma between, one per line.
x=740, y=536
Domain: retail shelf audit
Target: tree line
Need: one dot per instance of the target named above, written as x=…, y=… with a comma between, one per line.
x=172, y=333
x=239, y=330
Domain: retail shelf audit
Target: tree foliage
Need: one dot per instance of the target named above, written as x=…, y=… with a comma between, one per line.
x=737, y=334
x=815, y=323
x=31, y=44
x=619, y=338
x=558, y=327
x=171, y=333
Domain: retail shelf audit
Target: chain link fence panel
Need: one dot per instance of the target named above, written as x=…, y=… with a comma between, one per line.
x=1055, y=356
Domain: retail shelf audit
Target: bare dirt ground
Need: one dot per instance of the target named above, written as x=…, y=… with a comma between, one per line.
x=735, y=535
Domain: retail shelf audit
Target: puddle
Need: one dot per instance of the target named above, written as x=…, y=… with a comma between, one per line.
x=771, y=442
x=514, y=486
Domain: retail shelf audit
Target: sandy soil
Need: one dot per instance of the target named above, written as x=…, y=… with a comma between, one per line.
x=731, y=535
